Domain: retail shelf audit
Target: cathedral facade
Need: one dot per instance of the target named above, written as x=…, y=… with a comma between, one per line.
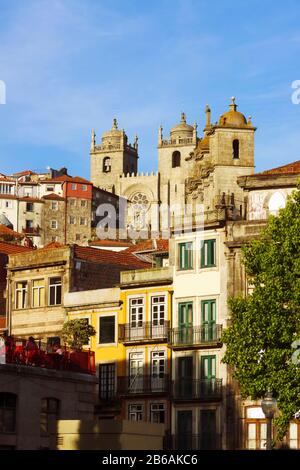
x=192, y=170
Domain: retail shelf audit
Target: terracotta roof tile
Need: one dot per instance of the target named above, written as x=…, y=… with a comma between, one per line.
x=108, y=257
x=8, y=231
x=148, y=245
x=10, y=248
x=290, y=168
x=53, y=196
x=106, y=242
x=64, y=178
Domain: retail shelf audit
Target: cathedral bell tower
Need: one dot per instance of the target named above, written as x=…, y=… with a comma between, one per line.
x=112, y=158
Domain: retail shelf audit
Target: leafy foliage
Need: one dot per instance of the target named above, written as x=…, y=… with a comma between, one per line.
x=77, y=333
x=260, y=343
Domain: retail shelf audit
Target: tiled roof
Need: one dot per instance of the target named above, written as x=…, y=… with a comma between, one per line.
x=109, y=243
x=10, y=248
x=149, y=245
x=290, y=168
x=6, y=179
x=64, y=178
x=24, y=172
x=53, y=196
x=108, y=257
x=8, y=231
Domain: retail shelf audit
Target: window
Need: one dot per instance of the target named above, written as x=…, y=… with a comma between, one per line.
x=107, y=381
x=185, y=323
x=82, y=220
x=136, y=412
x=136, y=312
x=235, y=149
x=8, y=204
x=8, y=404
x=29, y=206
x=208, y=430
x=72, y=202
x=294, y=435
x=29, y=224
x=77, y=236
x=185, y=255
x=38, y=293
x=157, y=412
x=54, y=205
x=106, y=165
x=49, y=414
x=208, y=253
x=74, y=186
x=208, y=331
x=21, y=294
x=176, y=159
x=55, y=291
x=107, y=329
x=158, y=310
x=83, y=203
x=50, y=188
x=54, y=224
x=54, y=239
x=72, y=220
x=256, y=428
x=84, y=187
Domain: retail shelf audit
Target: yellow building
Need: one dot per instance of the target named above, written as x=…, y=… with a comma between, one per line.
x=146, y=296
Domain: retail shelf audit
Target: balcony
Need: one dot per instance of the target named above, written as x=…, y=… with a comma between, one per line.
x=147, y=276
x=146, y=332
x=143, y=385
x=31, y=230
x=186, y=441
x=195, y=336
x=17, y=351
x=202, y=389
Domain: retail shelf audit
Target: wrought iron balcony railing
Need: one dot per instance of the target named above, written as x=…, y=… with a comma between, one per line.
x=202, y=389
x=143, y=331
x=185, y=441
x=195, y=335
x=31, y=230
x=143, y=385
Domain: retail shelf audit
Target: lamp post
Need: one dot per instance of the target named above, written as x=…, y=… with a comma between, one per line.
x=269, y=407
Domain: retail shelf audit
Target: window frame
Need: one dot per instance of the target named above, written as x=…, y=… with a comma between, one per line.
x=185, y=262
x=101, y=316
x=211, y=244
x=38, y=288
x=55, y=290
x=24, y=293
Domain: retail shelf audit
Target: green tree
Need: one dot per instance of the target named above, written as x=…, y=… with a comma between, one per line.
x=77, y=333
x=262, y=340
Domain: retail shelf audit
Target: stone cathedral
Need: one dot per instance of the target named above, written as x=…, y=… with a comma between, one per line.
x=191, y=169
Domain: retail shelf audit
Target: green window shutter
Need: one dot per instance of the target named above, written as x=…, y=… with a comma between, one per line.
x=185, y=255
x=208, y=253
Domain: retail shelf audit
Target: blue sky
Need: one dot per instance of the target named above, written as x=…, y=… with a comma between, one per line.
x=72, y=65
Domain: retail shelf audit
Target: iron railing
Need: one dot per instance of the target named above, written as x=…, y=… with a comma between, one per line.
x=195, y=335
x=143, y=384
x=189, y=389
x=143, y=331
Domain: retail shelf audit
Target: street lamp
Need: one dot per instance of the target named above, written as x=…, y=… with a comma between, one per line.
x=269, y=407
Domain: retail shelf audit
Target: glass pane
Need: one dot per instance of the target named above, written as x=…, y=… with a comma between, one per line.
x=263, y=435
x=251, y=436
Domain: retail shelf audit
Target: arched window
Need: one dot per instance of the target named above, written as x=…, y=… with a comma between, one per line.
x=176, y=159
x=8, y=405
x=49, y=414
x=106, y=165
x=236, y=149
